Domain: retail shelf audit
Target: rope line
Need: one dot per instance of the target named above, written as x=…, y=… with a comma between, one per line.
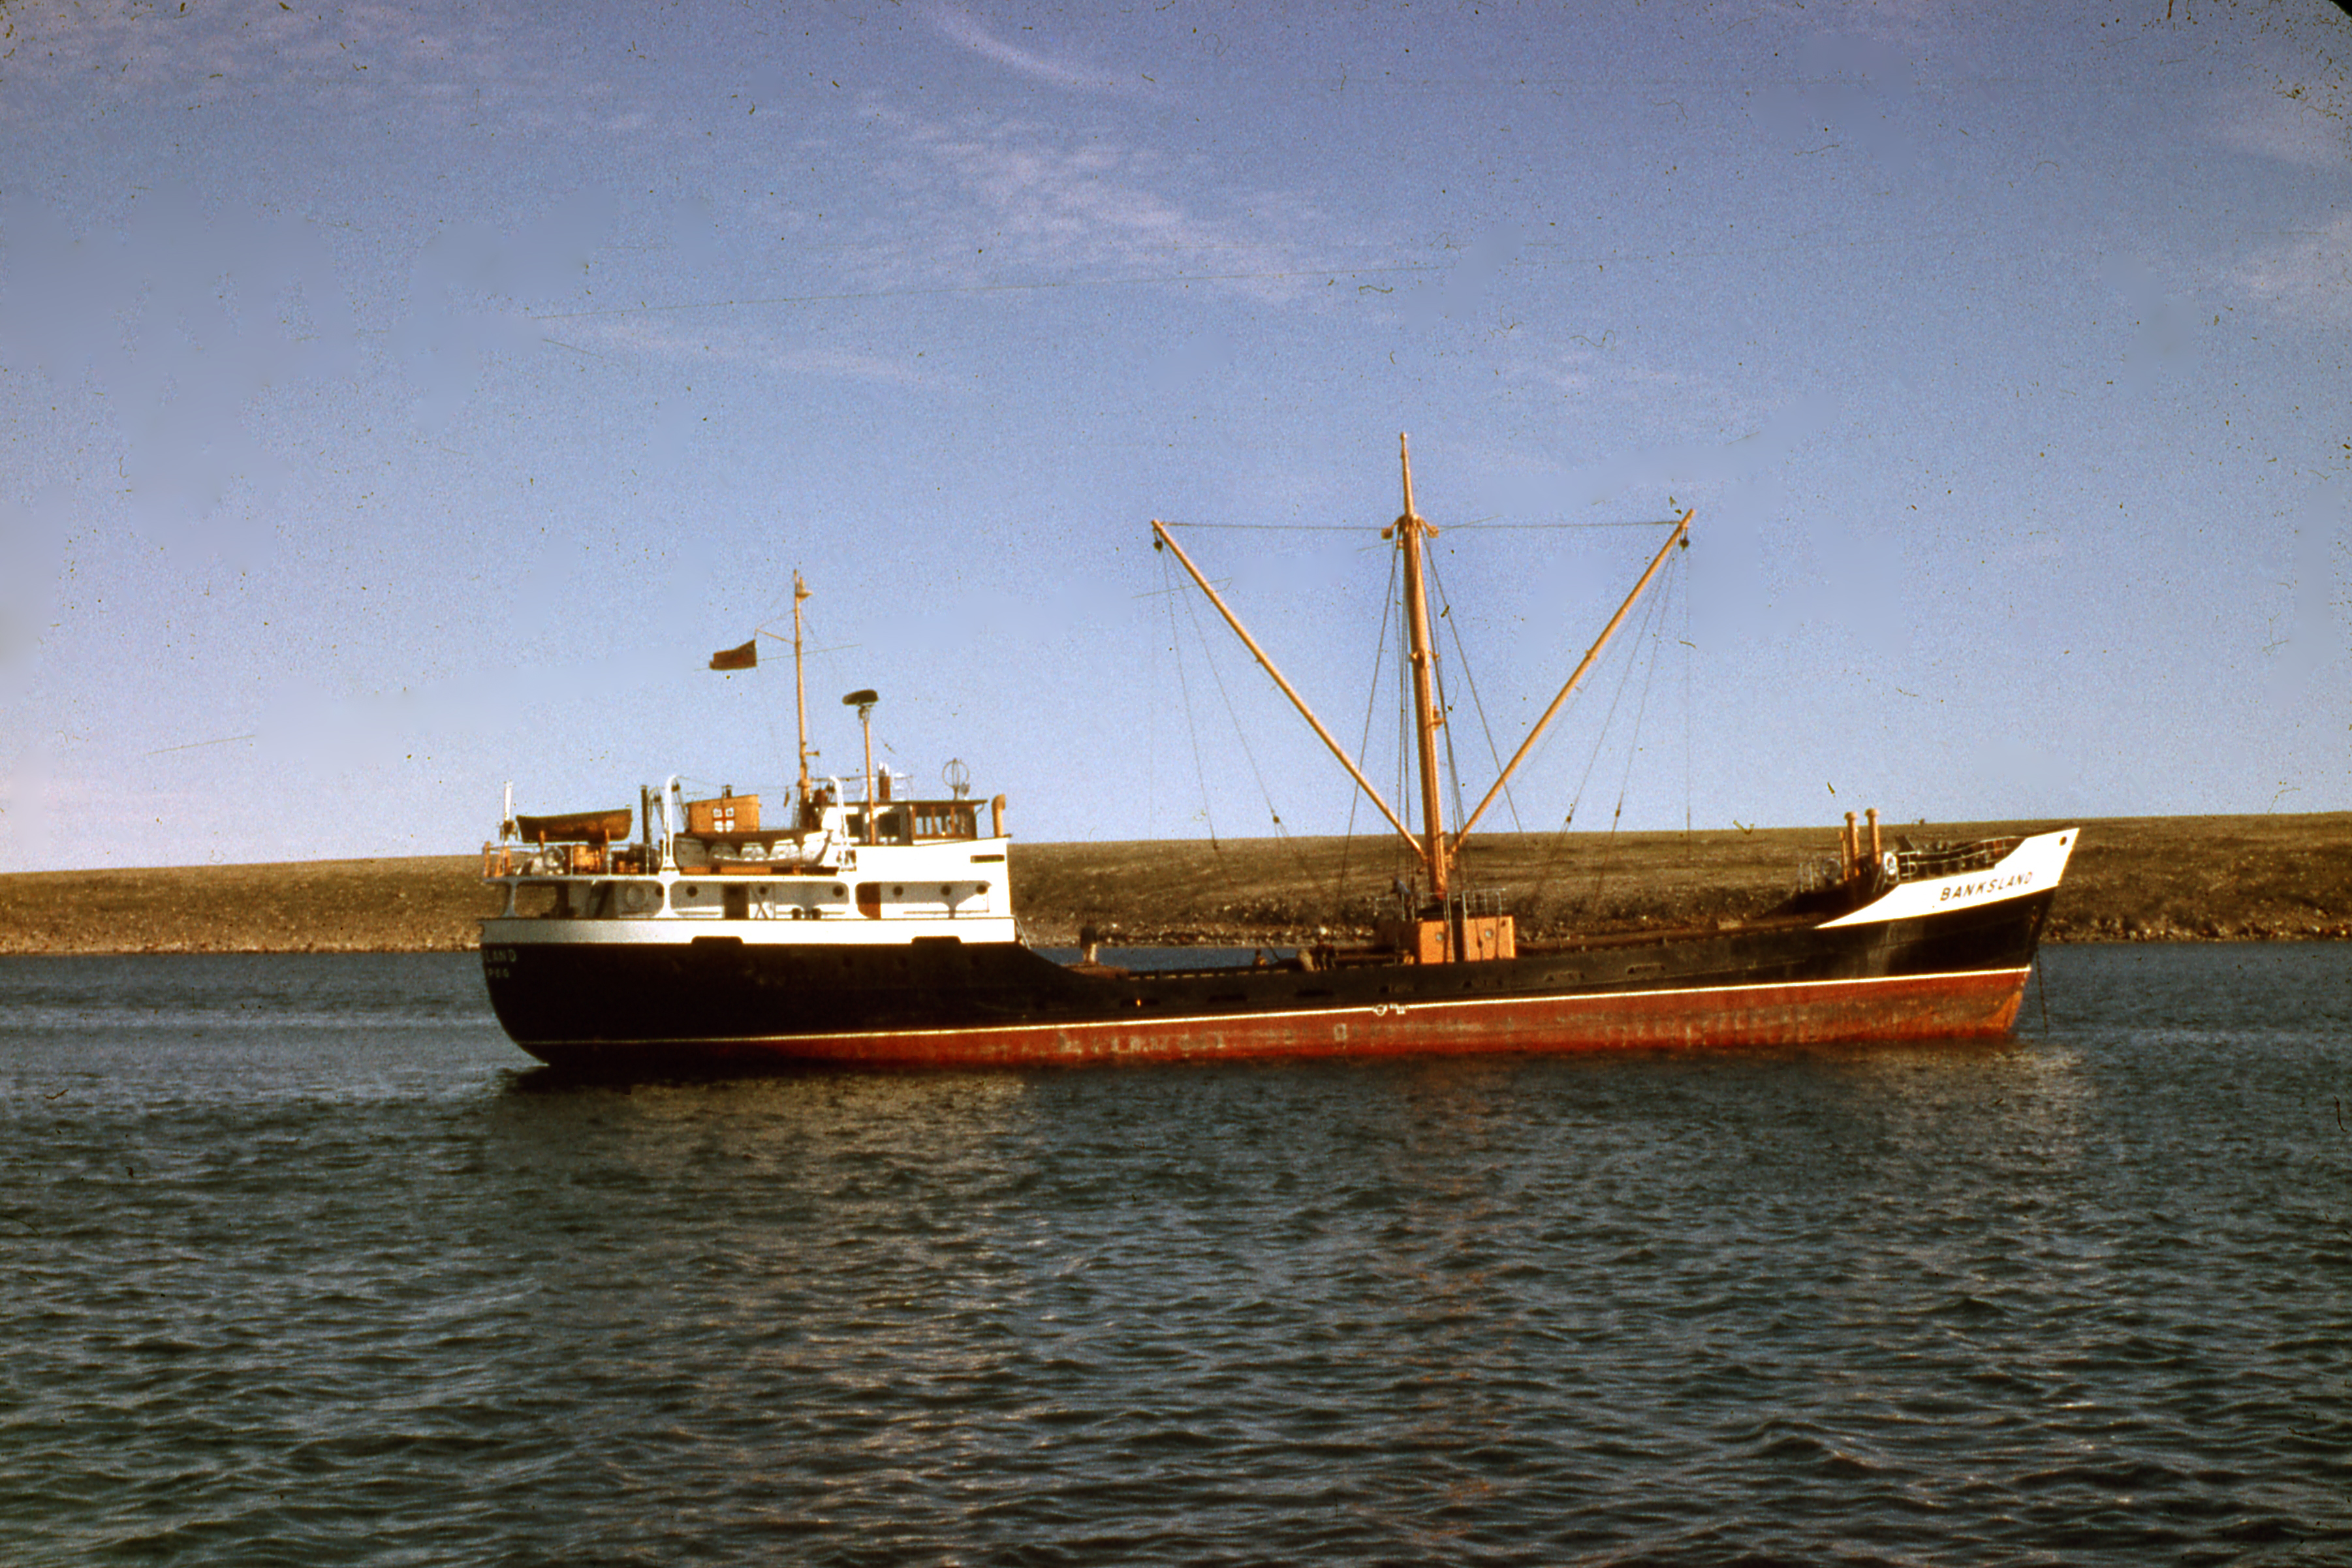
x=1249, y=752
x=1624, y=666
x=1192, y=724
x=1449, y=527
x=1478, y=706
x=1648, y=632
x=1364, y=743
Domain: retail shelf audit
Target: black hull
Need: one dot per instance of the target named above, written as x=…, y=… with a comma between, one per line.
x=720, y=1003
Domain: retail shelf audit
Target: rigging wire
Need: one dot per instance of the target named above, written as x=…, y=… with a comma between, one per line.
x=780, y=608
x=832, y=676
x=1444, y=720
x=1405, y=723
x=1624, y=668
x=808, y=640
x=1241, y=734
x=1480, y=527
x=1184, y=696
x=1689, y=647
x=1172, y=591
x=1271, y=527
x=1650, y=629
x=1364, y=744
x=1462, y=655
x=767, y=711
x=1485, y=527
x=1584, y=780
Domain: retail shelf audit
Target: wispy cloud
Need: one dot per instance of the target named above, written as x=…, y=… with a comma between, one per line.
x=2301, y=123
x=2311, y=275
x=1013, y=203
x=442, y=65
x=978, y=206
x=964, y=30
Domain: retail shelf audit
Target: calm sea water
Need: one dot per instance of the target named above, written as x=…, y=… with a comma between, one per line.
x=304, y=1264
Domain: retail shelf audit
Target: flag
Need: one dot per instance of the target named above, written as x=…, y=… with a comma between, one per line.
x=744, y=657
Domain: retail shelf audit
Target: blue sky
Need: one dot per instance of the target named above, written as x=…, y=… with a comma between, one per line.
x=399, y=401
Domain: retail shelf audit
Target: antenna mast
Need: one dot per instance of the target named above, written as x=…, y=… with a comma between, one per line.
x=800, y=686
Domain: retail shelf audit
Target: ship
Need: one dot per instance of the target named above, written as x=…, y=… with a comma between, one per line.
x=866, y=928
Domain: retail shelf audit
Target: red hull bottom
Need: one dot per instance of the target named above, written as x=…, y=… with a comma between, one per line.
x=1978, y=1005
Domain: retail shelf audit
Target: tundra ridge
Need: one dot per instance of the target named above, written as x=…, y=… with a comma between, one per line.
x=2145, y=878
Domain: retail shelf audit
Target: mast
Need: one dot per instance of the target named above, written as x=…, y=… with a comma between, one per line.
x=1437, y=851
x=799, y=689
x=1409, y=529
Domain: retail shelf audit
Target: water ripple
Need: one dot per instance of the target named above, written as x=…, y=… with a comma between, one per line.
x=304, y=1267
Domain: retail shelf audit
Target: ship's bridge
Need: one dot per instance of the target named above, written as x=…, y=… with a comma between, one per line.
x=883, y=862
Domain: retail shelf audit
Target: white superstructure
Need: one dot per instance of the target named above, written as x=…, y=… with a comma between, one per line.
x=844, y=873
